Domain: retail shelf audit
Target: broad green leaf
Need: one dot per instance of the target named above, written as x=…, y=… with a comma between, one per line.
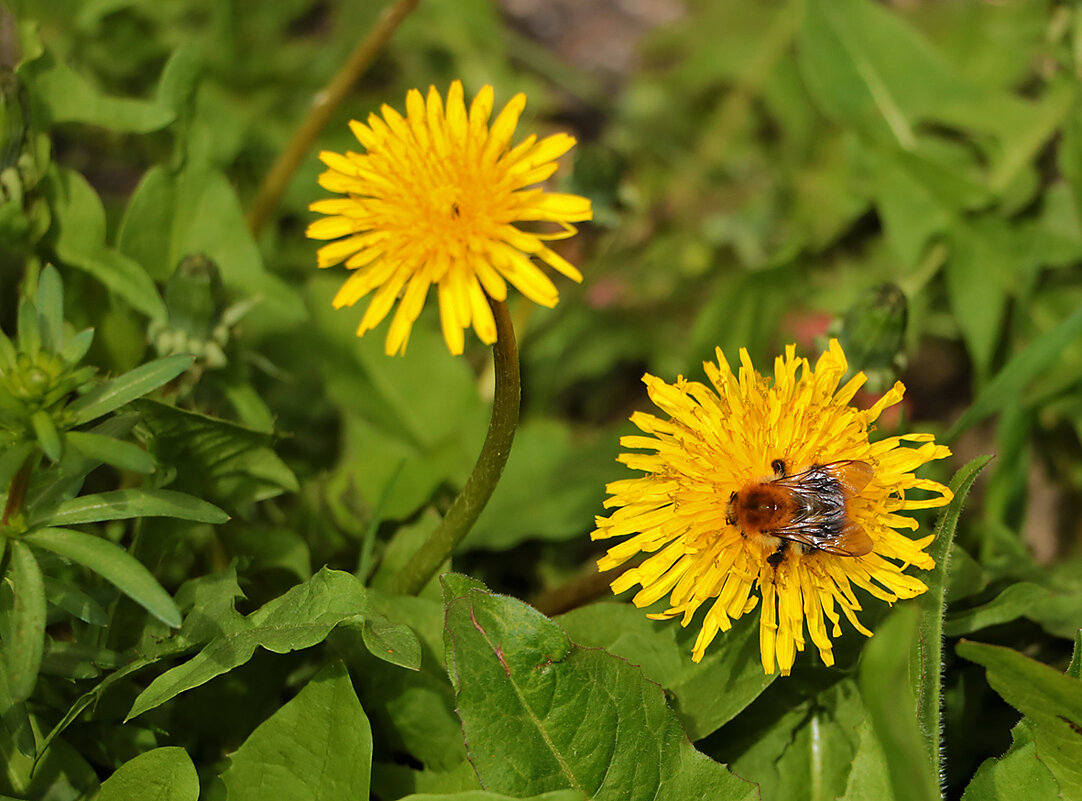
x=663, y=651
x=926, y=672
x=125, y=504
x=24, y=642
x=1019, y=773
x=979, y=272
x=66, y=96
x=391, y=642
x=415, y=710
x=51, y=308
x=391, y=780
x=161, y=774
x=481, y=795
x=301, y=618
x=318, y=746
x=797, y=739
x=80, y=242
x=174, y=215
x=547, y=489
x=126, y=388
x=1050, y=701
x=118, y=453
x=1008, y=384
x=1014, y=602
x=869, y=776
x=112, y=563
x=540, y=713
x=48, y=437
x=886, y=687
x=226, y=462
x=75, y=348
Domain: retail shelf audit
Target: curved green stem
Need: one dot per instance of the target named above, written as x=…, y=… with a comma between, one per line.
x=326, y=101
x=486, y=473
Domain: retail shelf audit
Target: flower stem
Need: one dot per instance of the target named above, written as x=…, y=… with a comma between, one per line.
x=467, y=507
x=326, y=101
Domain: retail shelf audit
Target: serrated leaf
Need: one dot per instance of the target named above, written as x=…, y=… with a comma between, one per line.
x=318, y=746
x=1051, y=702
x=662, y=652
x=24, y=642
x=161, y=774
x=540, y=713
x=126, y=504
x=301, y=618
x=112, y=563
x=108, y=450
x=127, y=387
x=1019, y=773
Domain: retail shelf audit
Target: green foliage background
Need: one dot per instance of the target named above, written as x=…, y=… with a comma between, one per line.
x=216, y=485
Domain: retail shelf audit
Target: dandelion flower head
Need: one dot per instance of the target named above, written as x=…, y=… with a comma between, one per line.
x=436, y=198
x=718, y=441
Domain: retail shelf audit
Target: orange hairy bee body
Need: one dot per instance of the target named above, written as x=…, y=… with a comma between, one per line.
x=810, y=509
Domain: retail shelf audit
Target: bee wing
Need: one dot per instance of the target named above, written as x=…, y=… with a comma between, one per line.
x=852, y=475
x=852, y=540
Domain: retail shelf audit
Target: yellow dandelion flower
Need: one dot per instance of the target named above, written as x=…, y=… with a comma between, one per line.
x=735, y=466
x=435, y=199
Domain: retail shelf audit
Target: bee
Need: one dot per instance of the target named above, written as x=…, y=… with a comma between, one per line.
x=810, y=509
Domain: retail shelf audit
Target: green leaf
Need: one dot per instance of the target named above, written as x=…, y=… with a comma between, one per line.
x=318, y=746
x=126, y=504
x=112, y=563
x=48, y=436
x=797, y=739
x=869, y=776
x=80, y=241
x=1014, y=602
x=75, y=348
x=932, y=604
x=174, y=215
x=51, y=308
x=161, y=774
x=540, y=713
x=301, y=618
x=1006, y=388
x=482, y=795
x=979, y=272
x=1019, y=773
x=75, y=602
x=892, y=708
x=29, y=328
x=126, y=388
x=663, y=652
x=99, y=448
x=391, y=642
x=24, y=642
x=11, y=460
x=224, y=461
x=547, y=489
x=1050, y=701
x=65, y=96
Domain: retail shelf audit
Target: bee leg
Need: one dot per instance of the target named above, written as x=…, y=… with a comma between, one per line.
x=778, y=466
x=730, y=518
x=778, y=556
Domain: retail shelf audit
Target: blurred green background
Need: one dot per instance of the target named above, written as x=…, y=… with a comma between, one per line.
x=904, y=175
